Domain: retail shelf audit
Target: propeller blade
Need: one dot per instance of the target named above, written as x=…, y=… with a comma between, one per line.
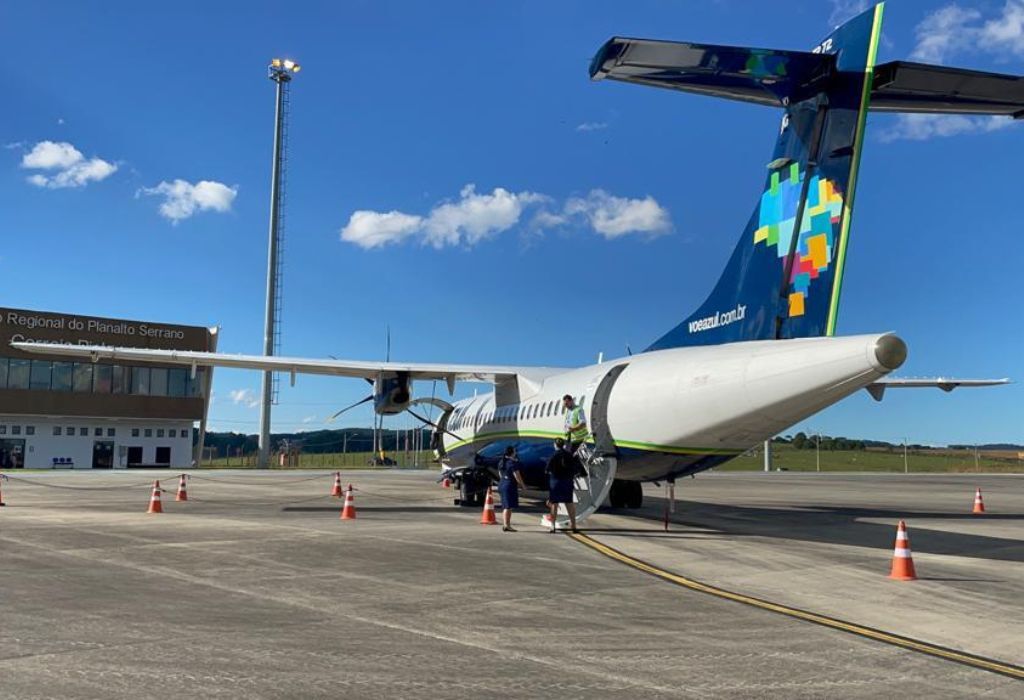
x=431, y=423
x=357, y=403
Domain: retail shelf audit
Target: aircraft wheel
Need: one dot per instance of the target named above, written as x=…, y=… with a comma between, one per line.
x=634, y=496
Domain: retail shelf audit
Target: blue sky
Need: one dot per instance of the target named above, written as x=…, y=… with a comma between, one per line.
x=157, y=207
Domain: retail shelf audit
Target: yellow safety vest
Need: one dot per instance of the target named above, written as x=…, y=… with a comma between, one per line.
x=571, y=419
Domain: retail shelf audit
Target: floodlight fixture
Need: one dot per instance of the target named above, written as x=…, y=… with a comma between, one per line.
x=281, y=68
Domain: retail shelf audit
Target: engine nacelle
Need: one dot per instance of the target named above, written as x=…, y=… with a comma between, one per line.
x=392, y=394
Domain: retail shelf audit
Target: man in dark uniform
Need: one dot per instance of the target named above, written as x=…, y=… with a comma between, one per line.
x=561, y=470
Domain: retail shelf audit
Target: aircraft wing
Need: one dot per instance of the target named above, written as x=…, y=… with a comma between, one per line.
x=877, y=389
x=294, y=365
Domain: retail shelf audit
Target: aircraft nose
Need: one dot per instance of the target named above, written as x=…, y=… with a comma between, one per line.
x=890, y=351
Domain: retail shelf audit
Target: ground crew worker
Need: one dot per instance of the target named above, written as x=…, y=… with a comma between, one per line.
x=575, y=423
x=561, y=470
x=508, y=487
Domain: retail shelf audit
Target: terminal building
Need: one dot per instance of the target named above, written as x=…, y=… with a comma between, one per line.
x=72, y=414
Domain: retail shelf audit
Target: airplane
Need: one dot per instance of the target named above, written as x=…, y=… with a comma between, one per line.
x=761, y=353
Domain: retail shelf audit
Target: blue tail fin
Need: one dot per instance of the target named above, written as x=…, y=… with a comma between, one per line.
x=785, y=275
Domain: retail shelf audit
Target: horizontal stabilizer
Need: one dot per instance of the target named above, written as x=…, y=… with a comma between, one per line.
x=762, y=76
x=877, y=389
x=917, y=87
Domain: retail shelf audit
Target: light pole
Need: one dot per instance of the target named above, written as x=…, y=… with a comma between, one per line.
x=906, y=467
x=817, y=451
x=280, y=71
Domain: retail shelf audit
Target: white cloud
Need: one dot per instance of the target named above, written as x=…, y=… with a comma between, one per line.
x=183, y=199
x=953, y=30
x=920, y=127
x=944, y=32
x=843, y=10
x=592, y=126
x=66, y=166
x=371, y=229
x=613, y=216
x=309, y=419
x=467, y=220
x=244, y=397
x=474, y=217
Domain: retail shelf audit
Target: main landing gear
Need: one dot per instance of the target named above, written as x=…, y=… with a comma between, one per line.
x=626, y=494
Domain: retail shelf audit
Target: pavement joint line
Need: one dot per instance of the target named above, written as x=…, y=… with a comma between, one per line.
x=908, y=643
x=199, y=580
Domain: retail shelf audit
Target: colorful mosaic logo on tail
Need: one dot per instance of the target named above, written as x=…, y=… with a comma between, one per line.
x=816, y=241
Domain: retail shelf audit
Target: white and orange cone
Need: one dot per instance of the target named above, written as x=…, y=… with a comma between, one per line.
x=154, y=500
x=446, y=483
x=902, y=562
x=336, y=489
x=979, y=505
x=487, y=517
x=348, y=512
x=182, y=494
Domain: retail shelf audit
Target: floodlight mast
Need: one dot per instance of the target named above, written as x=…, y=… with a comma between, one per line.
x=280, y=71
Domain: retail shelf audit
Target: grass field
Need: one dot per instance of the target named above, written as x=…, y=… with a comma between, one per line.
x=329, y=460
x=784, y=457
x=880, y=460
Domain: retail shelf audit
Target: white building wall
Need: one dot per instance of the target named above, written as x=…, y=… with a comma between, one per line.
x=42, y=446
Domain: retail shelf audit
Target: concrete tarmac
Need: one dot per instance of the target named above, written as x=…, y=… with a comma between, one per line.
x=255, y=588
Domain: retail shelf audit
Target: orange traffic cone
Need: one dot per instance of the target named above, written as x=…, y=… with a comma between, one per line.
x=336, y=489
x=182, y=494
x=349, y=511
x=979, y=505
x=902, y=562
x=487, y=518
x=154, y=500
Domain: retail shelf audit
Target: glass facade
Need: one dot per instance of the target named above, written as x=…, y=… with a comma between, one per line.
x=99, y=378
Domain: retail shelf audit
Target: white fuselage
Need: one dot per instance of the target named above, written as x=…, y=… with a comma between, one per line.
x=672, y=412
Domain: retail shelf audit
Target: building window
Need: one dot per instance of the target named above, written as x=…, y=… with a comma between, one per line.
x=110, y=432
x=84, y=432
x=63, y=373
x=163, y=455
x=15, y=430
x=149, y=432
x=135, y=432
x=120, y=381
x=102, y=379
x=159, y=432
x=83, y=376
x=56, y=430
x=40, y=375
x=176, y=381
x=171, y=432
x=98, y=432
x=158, y=381
x=3, y=429
x=30, y=430
x=70, y=431
x=140, y=380
x=18, y=374
x=3, y=372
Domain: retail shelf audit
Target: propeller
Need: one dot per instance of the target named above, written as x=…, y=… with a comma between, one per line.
x=357, y=403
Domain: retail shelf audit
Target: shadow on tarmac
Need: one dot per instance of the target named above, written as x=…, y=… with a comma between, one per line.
x=837, y=525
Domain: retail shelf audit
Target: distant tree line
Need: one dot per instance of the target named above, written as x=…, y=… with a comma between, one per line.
x=314, y=441
x=802, y=441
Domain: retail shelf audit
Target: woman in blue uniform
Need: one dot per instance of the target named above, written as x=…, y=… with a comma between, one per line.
x=561, y=471
x=508, y=487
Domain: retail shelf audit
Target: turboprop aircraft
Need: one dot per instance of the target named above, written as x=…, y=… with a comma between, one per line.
x=760, y=354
